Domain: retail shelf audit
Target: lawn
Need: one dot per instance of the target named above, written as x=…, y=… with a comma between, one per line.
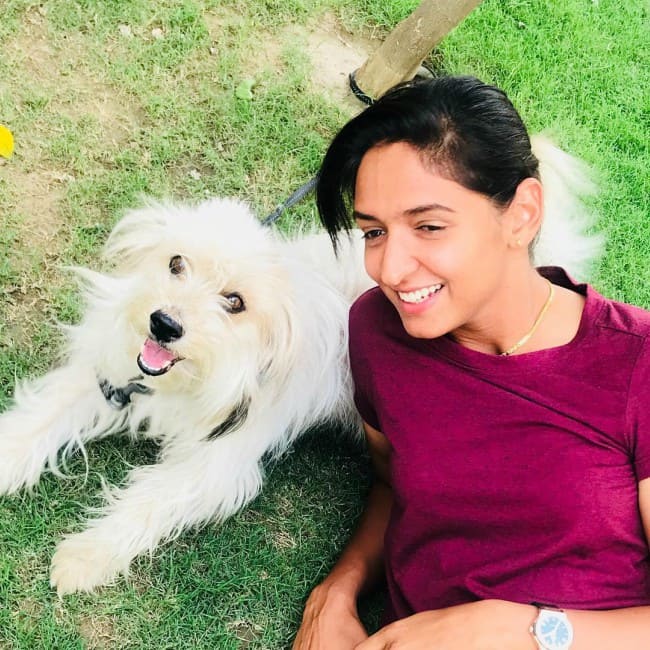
x=110, y=100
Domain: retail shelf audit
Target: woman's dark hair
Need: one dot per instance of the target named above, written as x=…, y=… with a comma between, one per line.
x=468, y=130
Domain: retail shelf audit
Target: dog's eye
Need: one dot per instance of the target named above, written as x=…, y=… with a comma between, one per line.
x=235, y=303
x=177, y=265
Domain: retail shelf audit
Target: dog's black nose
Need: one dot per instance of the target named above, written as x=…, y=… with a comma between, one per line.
x=164, y=327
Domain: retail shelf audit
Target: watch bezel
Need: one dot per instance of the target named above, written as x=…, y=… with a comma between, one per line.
x=543, y=615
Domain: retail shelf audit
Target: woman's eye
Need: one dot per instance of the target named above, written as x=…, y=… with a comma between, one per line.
x=177, y=265
x=372, y=234
x=235, y=303
x=427, y=227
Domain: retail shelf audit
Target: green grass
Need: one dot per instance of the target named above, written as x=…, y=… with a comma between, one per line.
x=104, y=111
x=205, y=590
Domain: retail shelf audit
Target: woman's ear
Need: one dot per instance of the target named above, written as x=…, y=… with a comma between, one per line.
x=525, y=213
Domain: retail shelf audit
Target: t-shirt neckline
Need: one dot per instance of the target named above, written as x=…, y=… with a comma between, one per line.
x=462, y=355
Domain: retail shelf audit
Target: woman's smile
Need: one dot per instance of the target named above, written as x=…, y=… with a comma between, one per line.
x=419, y=295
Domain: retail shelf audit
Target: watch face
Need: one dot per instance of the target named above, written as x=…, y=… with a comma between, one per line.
x=553, y=630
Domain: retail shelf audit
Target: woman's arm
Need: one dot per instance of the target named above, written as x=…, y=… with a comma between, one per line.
x=502, y=625
x=330, y=620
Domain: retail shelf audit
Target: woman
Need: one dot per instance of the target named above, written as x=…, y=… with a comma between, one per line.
x=506, y=408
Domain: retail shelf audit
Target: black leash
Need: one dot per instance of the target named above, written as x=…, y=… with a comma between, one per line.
x=425, y=71
x=296, y=197
x=357, y=92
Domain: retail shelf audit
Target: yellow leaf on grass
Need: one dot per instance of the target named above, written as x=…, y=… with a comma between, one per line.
x=6, y=142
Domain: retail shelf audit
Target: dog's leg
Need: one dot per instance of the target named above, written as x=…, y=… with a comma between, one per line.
x=211, y=482
x=63, y=408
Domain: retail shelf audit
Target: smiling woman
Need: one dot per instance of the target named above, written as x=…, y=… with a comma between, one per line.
x=505, y=405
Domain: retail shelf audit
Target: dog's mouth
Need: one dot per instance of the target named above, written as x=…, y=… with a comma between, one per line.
x=154, y=359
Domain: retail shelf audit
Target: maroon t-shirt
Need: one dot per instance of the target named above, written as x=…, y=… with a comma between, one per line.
x=514, y=477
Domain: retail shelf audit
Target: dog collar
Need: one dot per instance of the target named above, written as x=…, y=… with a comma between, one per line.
x=118, y=398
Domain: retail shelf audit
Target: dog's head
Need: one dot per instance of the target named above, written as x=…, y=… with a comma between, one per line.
x=210, y=299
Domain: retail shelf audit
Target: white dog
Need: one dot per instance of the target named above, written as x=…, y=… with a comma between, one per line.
x=221, y=340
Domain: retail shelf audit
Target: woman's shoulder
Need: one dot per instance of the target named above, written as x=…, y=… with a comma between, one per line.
x=620, y=317
x=627, y=319
x=369, y=305
x=372, y=316
x=603, y=312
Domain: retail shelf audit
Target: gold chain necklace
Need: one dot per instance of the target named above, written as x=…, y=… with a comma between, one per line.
x=524, y=339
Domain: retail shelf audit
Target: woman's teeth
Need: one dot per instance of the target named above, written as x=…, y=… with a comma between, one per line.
x=420, y=294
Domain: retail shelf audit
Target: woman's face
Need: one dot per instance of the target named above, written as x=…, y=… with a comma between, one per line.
x=437, y=250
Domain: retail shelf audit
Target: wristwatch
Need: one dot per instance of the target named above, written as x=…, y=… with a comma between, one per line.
x=552, y=629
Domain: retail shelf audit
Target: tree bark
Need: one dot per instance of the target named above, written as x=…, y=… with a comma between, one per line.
x=401, y=54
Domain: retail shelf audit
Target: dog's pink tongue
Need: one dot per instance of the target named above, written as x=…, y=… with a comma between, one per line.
x=155, y=356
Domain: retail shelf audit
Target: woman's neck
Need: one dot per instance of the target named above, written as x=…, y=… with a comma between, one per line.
x=524, y=315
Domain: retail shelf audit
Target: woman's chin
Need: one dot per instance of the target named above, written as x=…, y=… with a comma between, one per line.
x=421, y=327
x=421, y=320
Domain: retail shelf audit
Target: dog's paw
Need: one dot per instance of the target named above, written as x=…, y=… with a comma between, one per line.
x=82, y=562
x=18, y=469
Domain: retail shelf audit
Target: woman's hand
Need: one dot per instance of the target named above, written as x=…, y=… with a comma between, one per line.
x=483, y=625
x=330, y=622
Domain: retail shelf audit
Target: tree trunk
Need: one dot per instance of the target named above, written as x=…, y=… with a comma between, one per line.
x=400, y=55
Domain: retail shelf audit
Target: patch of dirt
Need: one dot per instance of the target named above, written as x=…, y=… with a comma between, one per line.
x=335, y=53
x=81, y=93
x=29, y=612
x=99, y=632
x=59, y=72
x=285, y=506
x=53, y=81
x=283, y=540
x=219, y=19
x=259, y=59
x=246, y=632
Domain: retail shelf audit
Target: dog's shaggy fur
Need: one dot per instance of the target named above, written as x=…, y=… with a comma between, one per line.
x=221, y=340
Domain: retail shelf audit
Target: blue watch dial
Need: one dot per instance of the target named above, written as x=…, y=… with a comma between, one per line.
x=553, y=632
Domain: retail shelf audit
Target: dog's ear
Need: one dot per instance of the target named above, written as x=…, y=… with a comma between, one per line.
x=137, y=233
x=234, y=421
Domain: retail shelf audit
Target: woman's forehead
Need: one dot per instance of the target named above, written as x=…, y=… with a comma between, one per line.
x=394, y=178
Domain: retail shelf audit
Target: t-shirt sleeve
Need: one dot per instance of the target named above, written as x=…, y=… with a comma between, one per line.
x=365, y=408
x=638, y=412
x=361, y=366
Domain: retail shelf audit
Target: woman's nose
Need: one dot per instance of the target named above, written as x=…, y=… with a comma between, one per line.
x=398, y=260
